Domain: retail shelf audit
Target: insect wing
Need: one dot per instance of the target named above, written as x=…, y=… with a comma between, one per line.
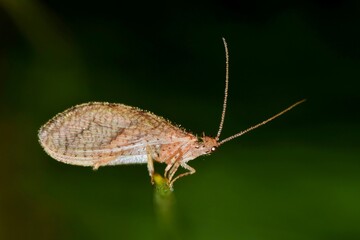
x=89, y=132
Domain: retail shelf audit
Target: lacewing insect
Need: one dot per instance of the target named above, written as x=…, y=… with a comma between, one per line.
x=101, y=134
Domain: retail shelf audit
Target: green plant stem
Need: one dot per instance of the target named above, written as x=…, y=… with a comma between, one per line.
x=164, y=203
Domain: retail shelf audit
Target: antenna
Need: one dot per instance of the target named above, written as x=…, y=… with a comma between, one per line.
x=260, y=124
x=226, y=90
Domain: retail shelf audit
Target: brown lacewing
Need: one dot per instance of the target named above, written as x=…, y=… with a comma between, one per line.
x=101, y=134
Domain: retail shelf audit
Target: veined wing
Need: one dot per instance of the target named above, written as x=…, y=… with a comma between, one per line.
x=92, y=131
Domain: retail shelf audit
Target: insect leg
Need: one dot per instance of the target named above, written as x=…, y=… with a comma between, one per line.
x=150, y=163
x=173, y=170
x=177, y=162
x=168, y=167
x=187, y=167
x=172, y=159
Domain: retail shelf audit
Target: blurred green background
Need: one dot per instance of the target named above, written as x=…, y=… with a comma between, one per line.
x=296, y=178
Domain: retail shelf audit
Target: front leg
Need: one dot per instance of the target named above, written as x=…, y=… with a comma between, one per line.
x=172, y=159
x=175, y=161
x=187, y=167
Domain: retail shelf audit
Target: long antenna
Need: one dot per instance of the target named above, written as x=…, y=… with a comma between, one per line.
x=260, y=124
x=226, y=90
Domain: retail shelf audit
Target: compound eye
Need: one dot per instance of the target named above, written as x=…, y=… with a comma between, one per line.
x=213, y=149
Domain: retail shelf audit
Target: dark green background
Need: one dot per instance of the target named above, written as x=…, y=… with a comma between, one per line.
x=296, y=178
